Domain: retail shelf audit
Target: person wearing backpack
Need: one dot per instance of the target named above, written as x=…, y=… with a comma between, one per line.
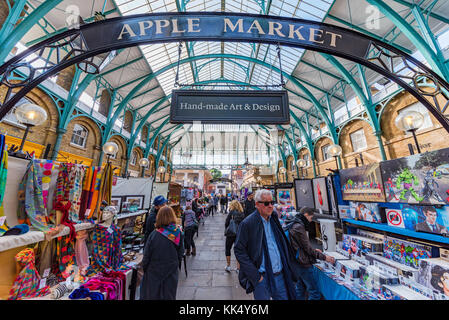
x=296, y=231
x=236, y=214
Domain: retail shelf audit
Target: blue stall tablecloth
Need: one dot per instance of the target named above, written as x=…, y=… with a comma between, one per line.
x=330, y=289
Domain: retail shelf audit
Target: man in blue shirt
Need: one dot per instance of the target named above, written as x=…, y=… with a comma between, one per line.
x=267, y=264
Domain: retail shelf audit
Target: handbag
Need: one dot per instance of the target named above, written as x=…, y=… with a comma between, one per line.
x=231, y=230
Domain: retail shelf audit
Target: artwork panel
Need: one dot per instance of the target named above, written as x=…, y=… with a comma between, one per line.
x=320, y=195
x=304, y=193
x=418, y=179
x=362, y=184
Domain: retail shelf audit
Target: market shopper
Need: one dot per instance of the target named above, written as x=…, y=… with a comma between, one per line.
x=190, y=226
x=224, y=203
x=249, y=204
x=299, y=239
x=158, y=203
x=267, y=263
x=162, y=255
x=236, y=214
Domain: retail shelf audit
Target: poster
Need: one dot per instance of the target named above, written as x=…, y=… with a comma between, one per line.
x=284, y=197
x=320, y=195
x=428, y=219
x=304, y=193
x=362, y=184
x=332, y=197
x=419, y=179
x=364, y=211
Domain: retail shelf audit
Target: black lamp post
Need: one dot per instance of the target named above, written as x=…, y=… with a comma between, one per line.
x=410, y=121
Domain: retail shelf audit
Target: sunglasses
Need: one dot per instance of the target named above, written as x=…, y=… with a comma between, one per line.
x=267, y=203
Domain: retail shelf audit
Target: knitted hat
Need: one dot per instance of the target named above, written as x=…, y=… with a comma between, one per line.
x=159, y=200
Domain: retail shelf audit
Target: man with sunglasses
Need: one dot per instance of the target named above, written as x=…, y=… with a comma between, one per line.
x=267, y=263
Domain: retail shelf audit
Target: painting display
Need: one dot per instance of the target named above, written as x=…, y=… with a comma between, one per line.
x=405, y=252
x=368, y=212
x=360, y=246
x=418, y=179
x=284, y=197
x=428, y=219
x=135, y=201
x=304, y=193
x=117, y=202
x=362, y=184
x=320, y=195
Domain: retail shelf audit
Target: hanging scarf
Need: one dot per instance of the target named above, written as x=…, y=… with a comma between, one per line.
x=95, y=190
x=107, y=250
x=31, y=209
x=65, y=220
x=45, y=168
x=104, y=192
x=3, y=178
x=26, y=284
x=283, y=252
x=76, y=174
x=172, y=232
x=64, y=258
x=85, y=192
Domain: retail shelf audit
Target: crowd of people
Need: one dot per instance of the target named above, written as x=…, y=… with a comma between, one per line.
x=273, y=251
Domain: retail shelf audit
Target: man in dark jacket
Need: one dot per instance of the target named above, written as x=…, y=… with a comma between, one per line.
x=250, y=204
x=307, y=256
x=158, y=203
x=267, y=264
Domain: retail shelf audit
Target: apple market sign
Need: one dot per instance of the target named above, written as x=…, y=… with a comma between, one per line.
x=165, y=27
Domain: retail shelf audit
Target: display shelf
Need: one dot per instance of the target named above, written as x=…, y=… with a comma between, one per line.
x=130, y=214
x=404, y=232
x=10, y=242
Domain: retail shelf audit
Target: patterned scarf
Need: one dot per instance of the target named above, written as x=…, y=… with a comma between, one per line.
x=3, y=176
x=76, y=178
x=65, y=254
x=172, y=232
x=26, y=284
x=107, y=253
x=31, y=209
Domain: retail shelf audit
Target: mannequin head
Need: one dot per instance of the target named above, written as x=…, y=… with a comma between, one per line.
x=108, y=215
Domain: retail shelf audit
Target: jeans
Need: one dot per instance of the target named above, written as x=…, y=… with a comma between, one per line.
x=307, y=283
x=188, y=238
x=262, y=290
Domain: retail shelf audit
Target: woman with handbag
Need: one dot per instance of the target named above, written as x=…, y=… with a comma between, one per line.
x=233, y=220
x=162, y=256
x=190, y=226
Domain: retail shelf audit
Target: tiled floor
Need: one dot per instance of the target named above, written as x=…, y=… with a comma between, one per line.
x=207, y=278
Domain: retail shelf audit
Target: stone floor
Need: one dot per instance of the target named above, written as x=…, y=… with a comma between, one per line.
x=207, y=278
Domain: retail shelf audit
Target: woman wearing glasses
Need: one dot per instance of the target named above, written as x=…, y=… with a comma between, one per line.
x=267, y=263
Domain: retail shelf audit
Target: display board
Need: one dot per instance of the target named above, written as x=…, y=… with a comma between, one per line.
x=428, y=219
x=159, y=188
x=285, y=194
x=332, y=195
x=362, y=184
x=418, y=179
x=133, y=187
x=320, y=195
x=304, y=193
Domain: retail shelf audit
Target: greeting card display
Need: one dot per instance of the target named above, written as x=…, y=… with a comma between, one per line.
x=362, y=184
x=360, y=246
x=418, y=179
x=373, y=279
x=405, y=252
x=320, y=195
x=366, y=211
x=398, y=268
x=304, y=193
x=434, y=274
x=400, y=292
x=348, y=269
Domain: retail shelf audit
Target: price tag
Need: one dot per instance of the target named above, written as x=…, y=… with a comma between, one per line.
x=109, y=229
x=42, y=283
x=2, y=220
x=86, y=214
x=46, y=273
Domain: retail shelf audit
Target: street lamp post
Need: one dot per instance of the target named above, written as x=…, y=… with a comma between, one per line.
x=29, y=115
x=161, y=170
x=143, y=162
x=110, y=148
x=301, y=163
x=282, y=170
x=335, y=151
x=410, y=121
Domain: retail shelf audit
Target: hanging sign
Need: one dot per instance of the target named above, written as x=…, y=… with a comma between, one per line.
x=236, y=107
x=200, y=26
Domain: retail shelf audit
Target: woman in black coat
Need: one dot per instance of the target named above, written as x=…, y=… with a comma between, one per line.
x=236, y=213
x=162, y=255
